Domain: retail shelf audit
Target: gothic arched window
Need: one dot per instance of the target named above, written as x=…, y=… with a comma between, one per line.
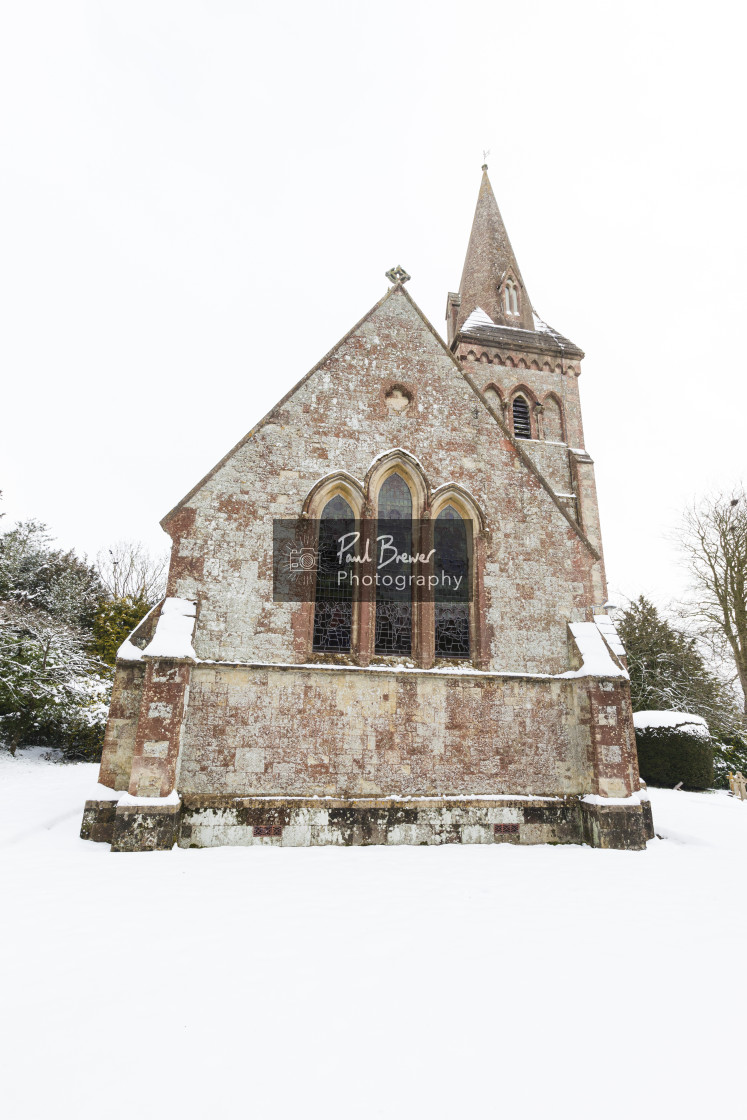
x=511, y=298
x=452, y=603
x=522, y=418
x=394, y=590
x=333, y=609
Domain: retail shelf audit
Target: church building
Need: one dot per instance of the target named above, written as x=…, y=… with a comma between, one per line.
x=323, y=705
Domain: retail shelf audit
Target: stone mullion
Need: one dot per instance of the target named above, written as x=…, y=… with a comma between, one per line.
x=304, y=633
x=364, y=649
x=424, y=611
x=478, y=622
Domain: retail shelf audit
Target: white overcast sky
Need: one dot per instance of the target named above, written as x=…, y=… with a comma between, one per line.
x=200, y=199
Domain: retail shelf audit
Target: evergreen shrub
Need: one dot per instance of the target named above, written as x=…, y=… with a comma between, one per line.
x=670, y=755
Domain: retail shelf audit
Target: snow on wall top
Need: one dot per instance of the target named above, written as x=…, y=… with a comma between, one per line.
x=128, y=651
x=173, y=636
x=610, y=634
x=683, y=721
x=595, y=654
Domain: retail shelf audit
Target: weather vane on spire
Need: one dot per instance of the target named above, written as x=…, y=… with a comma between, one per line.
x=485, y=154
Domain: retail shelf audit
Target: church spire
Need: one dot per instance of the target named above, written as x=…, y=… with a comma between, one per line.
x=491, y=278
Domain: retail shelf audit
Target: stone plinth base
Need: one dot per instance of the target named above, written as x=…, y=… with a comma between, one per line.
x=132, y=828
x=205, y=822
x=98, y=821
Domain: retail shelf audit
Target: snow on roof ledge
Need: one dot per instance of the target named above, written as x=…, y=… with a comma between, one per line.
x=682, y=721
x=477, y=319
x=609, y=632
x=640, y=797
x=122, y=797
x=129, y=652
x=595, y=654
x=174, y=630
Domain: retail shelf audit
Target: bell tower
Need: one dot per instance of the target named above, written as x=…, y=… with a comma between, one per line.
x=527, y=370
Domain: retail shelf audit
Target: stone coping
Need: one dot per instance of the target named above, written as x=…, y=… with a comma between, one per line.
x=394, y=801
x=470, y=674
x=456, y=801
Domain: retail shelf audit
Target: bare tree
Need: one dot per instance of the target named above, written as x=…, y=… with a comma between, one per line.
x=128, y=570
x=714, y=539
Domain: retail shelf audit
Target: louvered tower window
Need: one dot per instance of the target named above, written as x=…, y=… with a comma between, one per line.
x=522, y=421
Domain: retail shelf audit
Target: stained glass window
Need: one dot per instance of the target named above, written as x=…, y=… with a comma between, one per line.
x=452, y=605
x=333, y=609
x=393, y=604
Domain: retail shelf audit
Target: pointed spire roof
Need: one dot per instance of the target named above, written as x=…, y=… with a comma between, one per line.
x=491, y=278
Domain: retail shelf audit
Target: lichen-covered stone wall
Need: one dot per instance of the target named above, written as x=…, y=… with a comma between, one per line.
x=121, y=727
x=538, y=571
x=352, y=733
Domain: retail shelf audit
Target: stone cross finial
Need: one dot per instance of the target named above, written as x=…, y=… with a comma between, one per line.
x=398, y=275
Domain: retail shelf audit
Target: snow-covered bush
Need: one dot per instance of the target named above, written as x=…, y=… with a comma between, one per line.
x=54, y=691
x=61, y=622
x=674, y=747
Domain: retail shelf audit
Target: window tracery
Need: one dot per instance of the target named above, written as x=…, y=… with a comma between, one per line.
x=452, y=638
x=333, y=603
x=361, y=617
x=394, y=605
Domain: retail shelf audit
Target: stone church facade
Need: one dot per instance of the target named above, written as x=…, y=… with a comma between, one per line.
x=240, y=719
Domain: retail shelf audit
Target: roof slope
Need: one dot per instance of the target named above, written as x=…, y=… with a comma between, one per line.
x=542, y=339
x=283, y=400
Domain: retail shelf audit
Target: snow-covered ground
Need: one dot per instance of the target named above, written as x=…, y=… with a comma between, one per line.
x=368, y=982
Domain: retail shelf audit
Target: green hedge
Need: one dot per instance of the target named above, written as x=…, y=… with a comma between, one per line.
x=669, y=755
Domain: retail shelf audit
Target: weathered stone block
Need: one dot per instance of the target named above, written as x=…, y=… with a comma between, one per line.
x=617, y=826
x=310, y=822
x=98, y=821
x=145, y=828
